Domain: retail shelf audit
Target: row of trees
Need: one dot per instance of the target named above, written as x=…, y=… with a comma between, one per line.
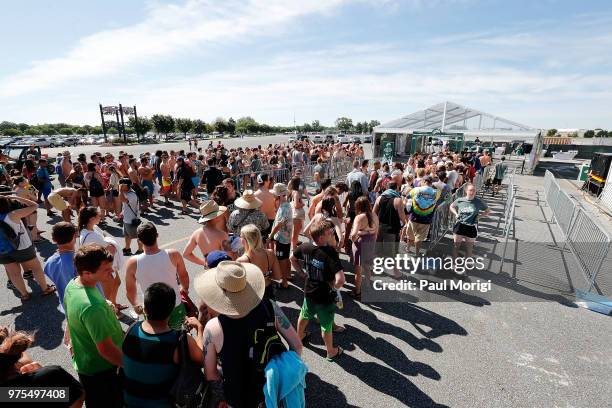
x=587, y=134
x=165, y=124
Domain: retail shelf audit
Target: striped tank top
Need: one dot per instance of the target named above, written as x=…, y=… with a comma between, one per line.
x=149, y=367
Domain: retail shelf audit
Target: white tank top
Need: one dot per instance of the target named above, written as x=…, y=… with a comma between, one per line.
x=155, y=268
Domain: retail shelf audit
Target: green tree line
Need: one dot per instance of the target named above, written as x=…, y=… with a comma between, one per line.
x=166, y=124
x=587, y=134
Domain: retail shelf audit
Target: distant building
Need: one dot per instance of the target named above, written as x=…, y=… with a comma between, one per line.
x=571, y=132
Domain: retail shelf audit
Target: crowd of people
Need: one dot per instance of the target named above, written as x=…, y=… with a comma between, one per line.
x=260, y=230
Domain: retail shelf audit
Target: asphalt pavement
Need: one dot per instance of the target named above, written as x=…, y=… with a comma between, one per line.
x=536, y=353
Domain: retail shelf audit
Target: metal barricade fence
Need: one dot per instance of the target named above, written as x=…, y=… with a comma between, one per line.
x=563, y=209
x=586, y=239
x=590, y=245
x=508, y=226
x=335, y=169
x=246, y=181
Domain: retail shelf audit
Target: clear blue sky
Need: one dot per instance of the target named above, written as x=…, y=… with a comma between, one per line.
x=545, y=63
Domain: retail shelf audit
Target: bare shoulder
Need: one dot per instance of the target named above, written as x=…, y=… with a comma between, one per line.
x=130, y=263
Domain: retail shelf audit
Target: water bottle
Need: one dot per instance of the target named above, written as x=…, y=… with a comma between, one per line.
x=339, y=302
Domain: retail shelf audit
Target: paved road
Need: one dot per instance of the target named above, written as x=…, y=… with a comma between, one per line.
x=455, y=354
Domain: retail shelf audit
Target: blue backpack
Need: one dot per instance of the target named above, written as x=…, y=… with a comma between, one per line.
x=9, y=240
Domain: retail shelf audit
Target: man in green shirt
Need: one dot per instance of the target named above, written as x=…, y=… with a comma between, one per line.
x=95, y=333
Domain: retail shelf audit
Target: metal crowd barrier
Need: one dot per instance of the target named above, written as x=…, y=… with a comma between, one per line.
x=586, y=239
x=334, y=169
x=508, y=226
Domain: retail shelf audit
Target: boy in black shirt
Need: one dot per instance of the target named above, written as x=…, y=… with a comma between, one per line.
x=323, y=274
x=212, y=176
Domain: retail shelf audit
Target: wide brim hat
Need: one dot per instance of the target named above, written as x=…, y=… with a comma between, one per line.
x=248, y=201
x=232, y=288
x=210, y=210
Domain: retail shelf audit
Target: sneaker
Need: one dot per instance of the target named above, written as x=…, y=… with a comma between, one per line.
x=9, y=285
x=138, y=252
x=28, y=275
x=127, y=252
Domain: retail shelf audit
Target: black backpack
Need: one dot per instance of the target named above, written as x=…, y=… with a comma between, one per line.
x=190, y=389
x=266, y=343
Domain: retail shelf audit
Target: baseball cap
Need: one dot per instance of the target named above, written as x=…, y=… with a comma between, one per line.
x=215, y=257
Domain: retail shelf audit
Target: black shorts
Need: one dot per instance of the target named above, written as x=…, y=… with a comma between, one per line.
x=18, y=256
x=497, y=181
x=282, y=251
x=102, y=389
x=465, y=230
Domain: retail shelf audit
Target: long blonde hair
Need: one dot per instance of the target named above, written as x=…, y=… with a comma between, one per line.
x=251, y=234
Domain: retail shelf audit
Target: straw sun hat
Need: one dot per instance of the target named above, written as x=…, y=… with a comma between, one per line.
x=209, y=210
x=232, y=288
x=248, y=201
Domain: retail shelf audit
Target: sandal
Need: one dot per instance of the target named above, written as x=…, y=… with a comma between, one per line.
x=26, y=297
x=50, y=289
x=306, y=337
x=119, y=306
x=338, y=354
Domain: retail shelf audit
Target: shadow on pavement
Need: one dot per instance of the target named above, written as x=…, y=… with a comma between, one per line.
x=383, y=379
x=47, y=326
x=323, y=394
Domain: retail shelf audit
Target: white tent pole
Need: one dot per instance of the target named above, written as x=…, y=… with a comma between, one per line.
x=444, y=116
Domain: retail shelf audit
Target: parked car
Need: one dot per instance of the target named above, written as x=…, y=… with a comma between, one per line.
x=43, y=142
x=344, y=139
x=367, y=139
x=318, y=138
x=18, y=153
x=69, y=141
x=293, y=138
x=355, y=139
x=329, y=138
x=302, y=137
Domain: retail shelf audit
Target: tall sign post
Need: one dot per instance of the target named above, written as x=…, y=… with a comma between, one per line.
x=122, y=124
x=119, y=112
x=118, y=123
x=103, y=123
x=136, y=125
